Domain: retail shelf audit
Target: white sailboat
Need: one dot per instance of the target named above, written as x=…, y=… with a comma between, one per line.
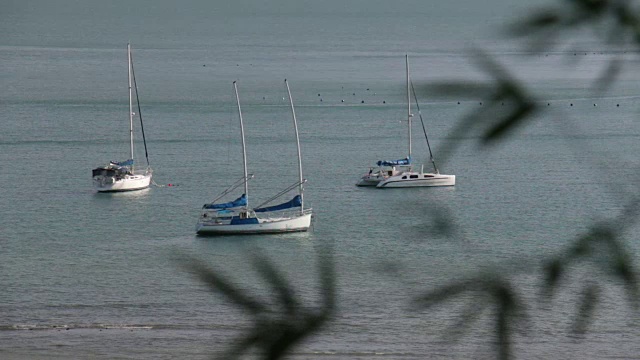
x=123, y=175
x=401, y=173
x=237, y=217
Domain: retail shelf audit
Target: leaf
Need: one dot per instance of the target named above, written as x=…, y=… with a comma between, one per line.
x=542, y=20
x=553, y=270
x=277, y=281
x=509, y=123
x=589, y=299
x=217, y=283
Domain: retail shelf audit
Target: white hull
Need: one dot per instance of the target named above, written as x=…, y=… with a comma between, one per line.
x=264, y=226
x=415, y=179
x=374, y=178
x=369, y=180
x=128, y=183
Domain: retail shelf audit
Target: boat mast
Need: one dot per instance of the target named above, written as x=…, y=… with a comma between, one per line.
x=244, y=150
x=130, y=104
x=408, y=105
x=295, y=126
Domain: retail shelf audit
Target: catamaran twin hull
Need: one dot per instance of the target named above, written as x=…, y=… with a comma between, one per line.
x=256, y=225
x=370, y=180
x=127, y=183
x=417, y=180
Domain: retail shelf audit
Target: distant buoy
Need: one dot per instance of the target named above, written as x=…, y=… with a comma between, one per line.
x=320, y=99
x=458, y=102
x=480, y=102
x=595, y=105
x=384, y=102
x=618, y=105
x=547, y=104
x=362, y=102
x=367, y=89
x=318, y=94
x=571, y=104
x=342, y=100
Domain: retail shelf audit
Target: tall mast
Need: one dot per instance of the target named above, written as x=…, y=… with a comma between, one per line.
x=244, y=150
x=408, y=104
x=295, y=126
x=130, y=103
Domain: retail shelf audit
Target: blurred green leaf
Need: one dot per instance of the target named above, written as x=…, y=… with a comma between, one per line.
x=275, y=332
x=588, y=301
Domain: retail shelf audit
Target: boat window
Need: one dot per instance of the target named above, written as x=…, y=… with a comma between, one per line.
x=404, y=177
x=427, y=176
x=413, y=176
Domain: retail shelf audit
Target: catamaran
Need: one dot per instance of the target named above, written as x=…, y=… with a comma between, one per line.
x=123, y=175
x=401, y=173
x=237, y=217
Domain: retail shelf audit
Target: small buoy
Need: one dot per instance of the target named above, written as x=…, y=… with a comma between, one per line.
x=480, y=102
x=320, y=99
x=354, y=94
x=204, y=64
x=318, y=94
x=384, y=102
x=367, y=89
x=263, y=98
x=169, y=184
x=618, y=105
x=458, y=102
x=362, y=102
x=595, y=105
x=572, y=104
x=342, y=100
x=547, y=104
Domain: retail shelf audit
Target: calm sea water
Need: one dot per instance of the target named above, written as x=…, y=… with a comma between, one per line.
x=88, y=275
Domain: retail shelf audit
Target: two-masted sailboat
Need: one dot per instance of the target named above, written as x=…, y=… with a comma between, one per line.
x=238, y=217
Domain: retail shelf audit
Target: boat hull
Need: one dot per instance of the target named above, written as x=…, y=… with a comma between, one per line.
x=263, y=226
x=128, y=183
x=417, y=180
x=369, y=180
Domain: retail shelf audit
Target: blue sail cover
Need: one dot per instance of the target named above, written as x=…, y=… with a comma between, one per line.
x=295, y=202
x=123, y=163
x=405, y=161
x=241, y=201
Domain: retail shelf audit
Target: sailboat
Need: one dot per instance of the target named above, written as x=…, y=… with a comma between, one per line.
x=401, y=173
x=237, y=217
x=123, y=175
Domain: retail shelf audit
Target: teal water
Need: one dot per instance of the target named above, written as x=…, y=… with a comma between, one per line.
x=88, y=275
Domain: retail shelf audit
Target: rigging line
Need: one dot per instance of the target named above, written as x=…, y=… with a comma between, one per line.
x=291, y=187
x=233, y=186
x=135, y=85
x=424, y=129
